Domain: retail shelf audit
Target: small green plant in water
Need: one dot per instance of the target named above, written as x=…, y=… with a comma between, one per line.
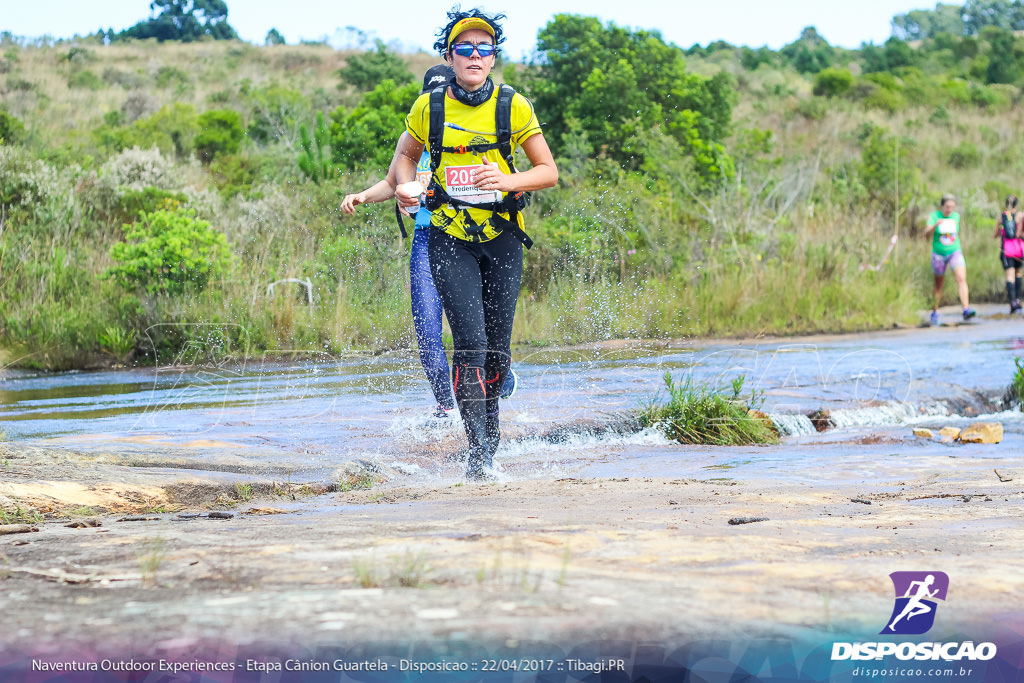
x=696, y=414
x=1016, y=390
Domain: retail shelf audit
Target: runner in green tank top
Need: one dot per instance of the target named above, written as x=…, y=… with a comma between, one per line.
x=944, y=226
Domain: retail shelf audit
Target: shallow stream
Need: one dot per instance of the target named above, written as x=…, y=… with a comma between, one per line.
x=310, y=414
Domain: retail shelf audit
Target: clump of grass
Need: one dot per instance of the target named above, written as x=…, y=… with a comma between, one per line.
x=697, y=414
x=355, y=482
x=150, y=560
x=20, y=515
x=409, y=570
x=1015, y=392
x=367, y=574
x=243, y=492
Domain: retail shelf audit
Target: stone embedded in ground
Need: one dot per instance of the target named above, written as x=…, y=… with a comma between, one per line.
x=949, y=433
x=821, y=419
x=982, y=432
x=923, y=433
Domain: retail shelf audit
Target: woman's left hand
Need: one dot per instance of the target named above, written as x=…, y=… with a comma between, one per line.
x=490, y=177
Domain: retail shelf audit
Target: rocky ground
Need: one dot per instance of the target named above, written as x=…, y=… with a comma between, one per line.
x=154, y=558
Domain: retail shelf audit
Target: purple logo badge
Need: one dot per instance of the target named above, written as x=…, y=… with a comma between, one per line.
x=916, y=595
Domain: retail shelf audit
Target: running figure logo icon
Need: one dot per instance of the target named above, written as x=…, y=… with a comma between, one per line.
x=916, y=593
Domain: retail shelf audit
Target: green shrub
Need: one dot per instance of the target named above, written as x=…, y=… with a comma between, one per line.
x=235, y=174
x=696, y=414
x=964, y=155
x=877, y=166
x=220, y=133
x=275, y=113
x=887, y=100
x=172, y=130
x=956, y=90
x=167, y=252
x=11, y=129
x=148, y=200
x=991, y=96
x=367, y=69
x=997, y=191
x=939, y=117
x=811, y=109
x=314, y=163
x=366, y=135
x=1015, y=393
x=167, y=76
x=832, y=82
x=85, y=79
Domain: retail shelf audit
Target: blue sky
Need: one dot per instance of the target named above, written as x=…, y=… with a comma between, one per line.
x=685, y=22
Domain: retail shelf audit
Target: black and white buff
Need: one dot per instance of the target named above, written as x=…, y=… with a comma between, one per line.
x=476, y=97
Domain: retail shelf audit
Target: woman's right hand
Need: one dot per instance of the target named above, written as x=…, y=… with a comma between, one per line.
x=408, y=195
x=351, y=201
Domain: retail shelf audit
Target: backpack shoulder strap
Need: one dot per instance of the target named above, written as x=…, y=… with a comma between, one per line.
x=435, y=137
x=503, y=123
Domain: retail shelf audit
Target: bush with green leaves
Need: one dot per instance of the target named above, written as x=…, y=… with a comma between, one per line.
x=964, y=155
x=366, y=70
x=220, y=133
x=184, y=20
x=698, y=414
x=275, y=114
x=274, y=37
x=878, y=164
x=85, y=79
x=832, y=82
x=11, y=129
x=172, y=130
x=613, y=82
x=367, y=135
x=810, y=53
x=169, y=252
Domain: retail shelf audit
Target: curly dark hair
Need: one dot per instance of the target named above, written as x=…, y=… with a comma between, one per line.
x=455, y=15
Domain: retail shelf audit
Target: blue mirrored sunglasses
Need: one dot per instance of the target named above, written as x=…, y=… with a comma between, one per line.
x=466, y=49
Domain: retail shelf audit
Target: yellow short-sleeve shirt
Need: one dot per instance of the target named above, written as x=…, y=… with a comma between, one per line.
x=469, y=126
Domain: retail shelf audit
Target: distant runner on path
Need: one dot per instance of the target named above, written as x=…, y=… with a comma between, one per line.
x=1009, y=229
x=944, y=227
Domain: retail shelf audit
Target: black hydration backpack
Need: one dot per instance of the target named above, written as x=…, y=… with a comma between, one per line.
x=1009, y=226
x=511, y=204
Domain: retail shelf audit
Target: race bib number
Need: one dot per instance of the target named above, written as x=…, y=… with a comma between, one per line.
x=459, y=183
x=424, y=178
x=947, y=231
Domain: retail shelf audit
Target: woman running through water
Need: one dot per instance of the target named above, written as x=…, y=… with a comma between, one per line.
x=426, y=305
x=1009, y=230
x=944, y=226
x=476, y=256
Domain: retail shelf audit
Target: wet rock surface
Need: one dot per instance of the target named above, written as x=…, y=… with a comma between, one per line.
x=560, y=560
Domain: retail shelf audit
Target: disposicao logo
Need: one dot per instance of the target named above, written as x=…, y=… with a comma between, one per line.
x=913, y=613
x=916, y=595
